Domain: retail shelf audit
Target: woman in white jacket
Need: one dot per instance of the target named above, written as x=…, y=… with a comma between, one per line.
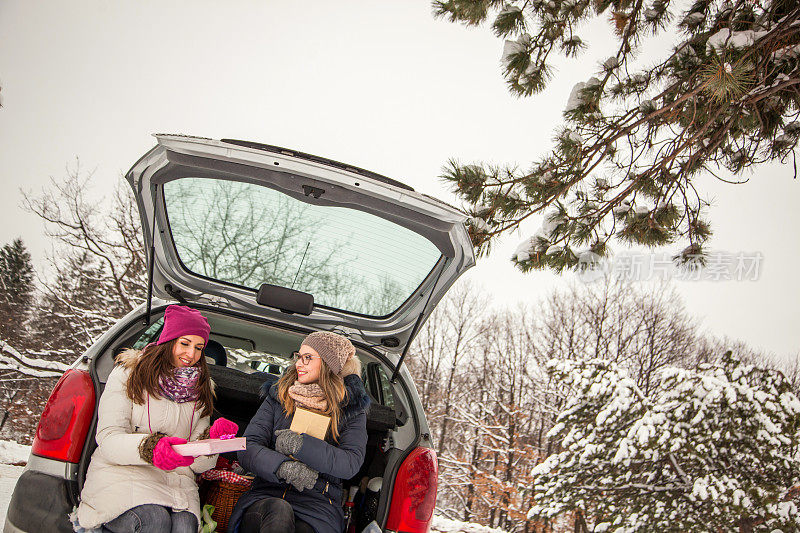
x=136, y=482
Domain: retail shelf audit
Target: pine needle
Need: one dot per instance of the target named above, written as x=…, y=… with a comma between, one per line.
x=725, y=82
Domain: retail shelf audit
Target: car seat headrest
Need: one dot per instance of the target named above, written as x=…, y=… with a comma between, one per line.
x=217, y=352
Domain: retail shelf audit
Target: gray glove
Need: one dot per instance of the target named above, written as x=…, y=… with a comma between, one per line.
x=288, y=442
x=298, y=474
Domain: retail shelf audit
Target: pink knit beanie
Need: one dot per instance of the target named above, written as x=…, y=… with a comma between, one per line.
x=180, y=320
x=333, y=348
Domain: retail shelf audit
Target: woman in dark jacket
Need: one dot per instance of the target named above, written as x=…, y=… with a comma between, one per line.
x=298, y=484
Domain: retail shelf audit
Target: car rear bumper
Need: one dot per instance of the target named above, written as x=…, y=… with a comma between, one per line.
x=40, y=502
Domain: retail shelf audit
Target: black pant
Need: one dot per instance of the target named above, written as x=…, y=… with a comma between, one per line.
x=272, y=515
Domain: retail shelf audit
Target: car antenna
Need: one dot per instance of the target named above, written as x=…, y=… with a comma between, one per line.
x=151, y=266
x=417, y=325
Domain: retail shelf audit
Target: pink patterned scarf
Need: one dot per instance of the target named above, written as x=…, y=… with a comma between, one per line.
x=181, y=386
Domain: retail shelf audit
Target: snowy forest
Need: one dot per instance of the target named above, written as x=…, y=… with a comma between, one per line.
x=605, y=404
x=538, y=412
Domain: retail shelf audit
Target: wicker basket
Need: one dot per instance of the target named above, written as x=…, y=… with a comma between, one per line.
x=223, y=496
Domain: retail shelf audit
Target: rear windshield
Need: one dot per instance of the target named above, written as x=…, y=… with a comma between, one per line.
x=248, y=234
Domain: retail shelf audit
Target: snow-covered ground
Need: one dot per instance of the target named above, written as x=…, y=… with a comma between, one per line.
x=8, y=478
x=13, y=453
x=10, y=452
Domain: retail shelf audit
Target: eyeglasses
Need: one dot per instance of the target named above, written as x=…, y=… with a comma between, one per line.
x=304, y=357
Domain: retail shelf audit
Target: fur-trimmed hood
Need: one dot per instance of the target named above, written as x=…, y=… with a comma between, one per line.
x=128, y=357
x=352, y=366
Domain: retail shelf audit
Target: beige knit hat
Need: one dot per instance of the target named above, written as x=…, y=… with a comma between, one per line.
x=334, y=349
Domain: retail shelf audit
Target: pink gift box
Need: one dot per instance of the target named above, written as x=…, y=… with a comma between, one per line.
x=210, y=446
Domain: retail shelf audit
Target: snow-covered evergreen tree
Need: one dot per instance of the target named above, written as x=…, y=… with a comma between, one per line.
x=712, y=449
x=16, y=291
x=636, y=136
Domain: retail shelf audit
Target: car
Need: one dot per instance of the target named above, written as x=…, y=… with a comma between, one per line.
x=270, y=244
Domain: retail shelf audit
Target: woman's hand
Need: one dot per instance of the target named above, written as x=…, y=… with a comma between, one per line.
x=222, y=427
x=288, y=442
x=162, y=455
x=298, y=474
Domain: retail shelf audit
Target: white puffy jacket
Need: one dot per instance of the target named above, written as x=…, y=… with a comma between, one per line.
x=118, y=479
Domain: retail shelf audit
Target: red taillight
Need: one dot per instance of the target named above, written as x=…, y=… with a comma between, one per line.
x=414, y=494
x=66, y=418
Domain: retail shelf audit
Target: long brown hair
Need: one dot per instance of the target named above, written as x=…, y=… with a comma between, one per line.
x=333, y=389
x=156, y=361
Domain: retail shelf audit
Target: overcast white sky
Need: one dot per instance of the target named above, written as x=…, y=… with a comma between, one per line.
x=381, y=85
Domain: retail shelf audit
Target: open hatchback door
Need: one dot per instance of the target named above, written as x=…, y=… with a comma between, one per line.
x=228, y=218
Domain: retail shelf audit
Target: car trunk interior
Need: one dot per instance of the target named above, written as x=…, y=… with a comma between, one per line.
x=245, y=358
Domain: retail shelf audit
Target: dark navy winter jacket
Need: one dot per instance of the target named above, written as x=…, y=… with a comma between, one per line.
x=320, y=507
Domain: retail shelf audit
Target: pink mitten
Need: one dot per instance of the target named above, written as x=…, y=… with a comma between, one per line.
x=165, y=458
x=222, y=427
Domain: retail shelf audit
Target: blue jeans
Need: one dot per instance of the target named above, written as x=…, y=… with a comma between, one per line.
x=150, y=518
